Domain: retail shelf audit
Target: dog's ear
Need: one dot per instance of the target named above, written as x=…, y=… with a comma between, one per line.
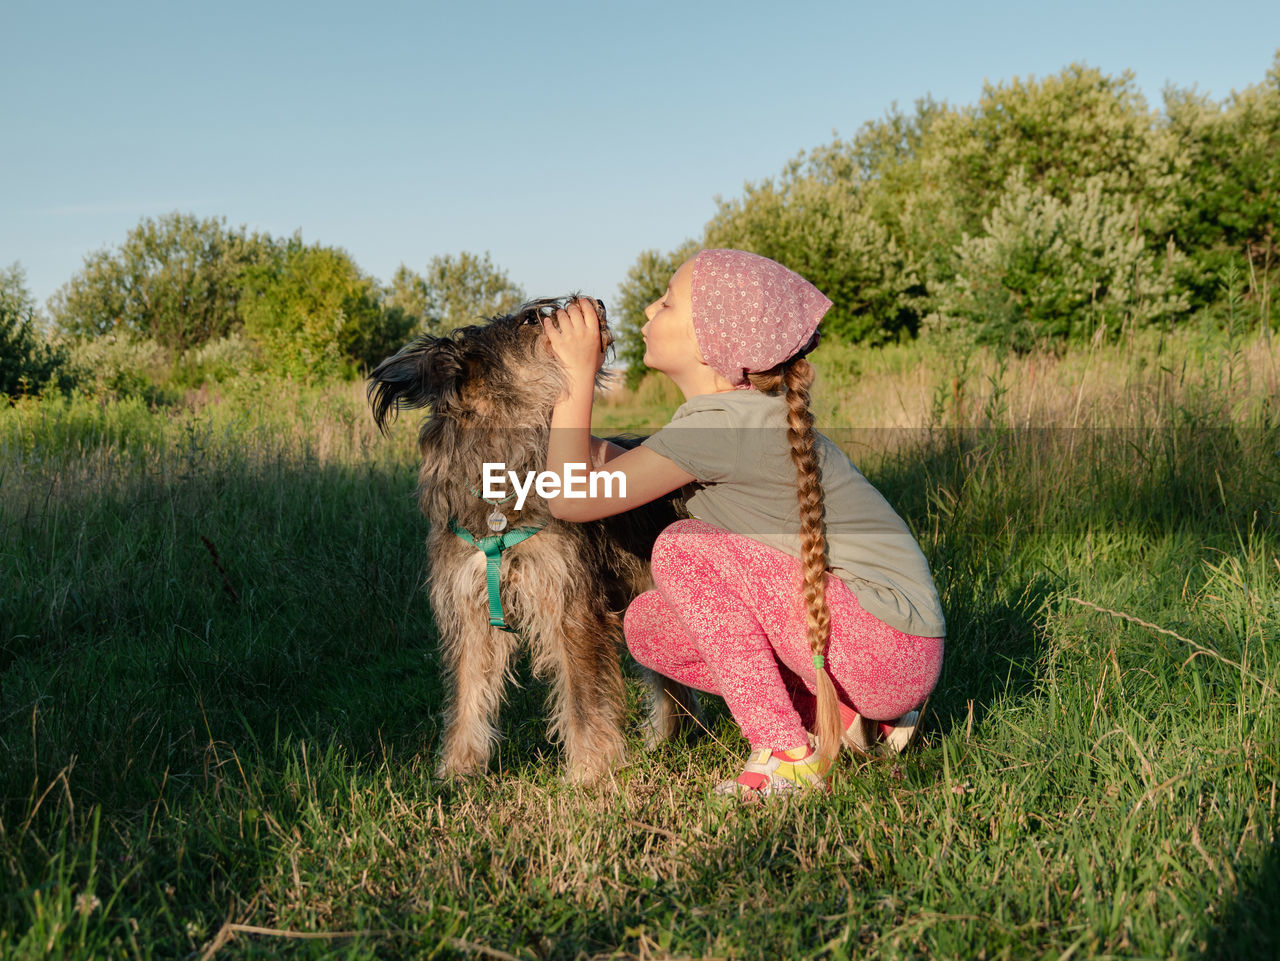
x=425, y=373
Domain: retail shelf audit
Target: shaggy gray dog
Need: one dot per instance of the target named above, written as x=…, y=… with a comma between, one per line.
x=490, y=390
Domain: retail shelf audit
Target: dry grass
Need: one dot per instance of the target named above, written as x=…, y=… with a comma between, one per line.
x=1150, y=381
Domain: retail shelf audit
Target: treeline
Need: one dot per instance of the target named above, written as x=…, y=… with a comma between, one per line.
x=200, y=298
x=1051, y=211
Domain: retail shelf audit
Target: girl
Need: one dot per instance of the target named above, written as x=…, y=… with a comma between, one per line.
x=744, y=604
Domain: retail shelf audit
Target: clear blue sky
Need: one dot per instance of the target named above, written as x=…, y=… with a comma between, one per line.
x=564, y=138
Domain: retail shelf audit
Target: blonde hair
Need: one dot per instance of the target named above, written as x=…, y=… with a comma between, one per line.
x=795, y=376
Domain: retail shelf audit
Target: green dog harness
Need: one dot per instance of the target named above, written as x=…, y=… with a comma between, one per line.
x=492, y=548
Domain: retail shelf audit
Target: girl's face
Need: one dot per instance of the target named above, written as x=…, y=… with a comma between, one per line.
x=671, y=346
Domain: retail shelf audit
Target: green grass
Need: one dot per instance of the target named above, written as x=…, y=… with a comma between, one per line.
x=191, y=749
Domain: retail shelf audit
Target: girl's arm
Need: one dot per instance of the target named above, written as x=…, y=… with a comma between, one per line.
x=638, y=475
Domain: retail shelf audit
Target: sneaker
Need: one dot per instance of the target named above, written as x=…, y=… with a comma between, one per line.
x=901, y=733
x=860, y=735
x=779, y=772
x=879, y=738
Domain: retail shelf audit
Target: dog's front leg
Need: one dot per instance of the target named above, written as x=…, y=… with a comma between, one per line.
x=476, y=658
x=579, y=654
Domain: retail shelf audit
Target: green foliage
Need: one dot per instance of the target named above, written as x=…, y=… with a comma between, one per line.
x=1060, y=132
x=181, y=282
x=111, y=367
x=1066, y=129
x=407, y=296
x=881, y=149
x=1228, y=196
x=646, y=281
x=174, y=280
x=1044, y=270
x=816, y=224
x=28, y=363
x=888, y=157
x=312, y=312
x=455, y=292
x=1133, y=216
x=218, y=360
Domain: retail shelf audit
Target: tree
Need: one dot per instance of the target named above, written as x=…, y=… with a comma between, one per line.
x=174, y=280
x=1228, y=197
x=817, y=225
x=454, y=292
x=27, y=363
x=941, y=174
x=313, y=311
x=1048, y=209
x=881, y=147
x=1043, y=270
x=646, y=281
x=408, y=296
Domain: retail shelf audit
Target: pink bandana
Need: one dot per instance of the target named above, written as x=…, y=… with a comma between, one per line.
x=751, y=313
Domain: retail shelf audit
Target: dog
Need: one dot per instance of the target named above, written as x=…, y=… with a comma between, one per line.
x=490, y=389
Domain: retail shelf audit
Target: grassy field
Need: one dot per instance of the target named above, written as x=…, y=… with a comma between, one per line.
x=219, y=696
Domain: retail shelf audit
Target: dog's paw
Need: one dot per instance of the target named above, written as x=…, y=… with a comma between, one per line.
x=590, y=760
x=588, y=775
x=450, y=770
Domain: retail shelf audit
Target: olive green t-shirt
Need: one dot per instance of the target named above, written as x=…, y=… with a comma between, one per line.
x=735, y=444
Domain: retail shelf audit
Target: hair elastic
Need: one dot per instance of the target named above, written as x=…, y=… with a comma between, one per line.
x=819, y=661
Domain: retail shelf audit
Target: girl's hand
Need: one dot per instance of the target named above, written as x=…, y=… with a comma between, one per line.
x=575, y=337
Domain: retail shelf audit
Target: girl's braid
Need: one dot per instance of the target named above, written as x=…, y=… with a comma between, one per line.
x=796, y=375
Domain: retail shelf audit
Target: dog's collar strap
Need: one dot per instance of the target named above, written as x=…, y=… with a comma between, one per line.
x=492, y=548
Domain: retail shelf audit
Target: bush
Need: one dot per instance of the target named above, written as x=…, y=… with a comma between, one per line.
x=819, y=228
x=114, y=367
x=1229, y=158
x=1046, y=270
x=174, y=280
x=218, y=360
x=181, y=282
x=454, y=292
x=1060, y=132
x=313, y=313
x=28, y=363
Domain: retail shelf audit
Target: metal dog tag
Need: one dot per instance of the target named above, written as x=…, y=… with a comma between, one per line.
x=497, y=521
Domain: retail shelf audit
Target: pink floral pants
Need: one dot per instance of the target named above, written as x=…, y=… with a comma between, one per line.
x=727, y=617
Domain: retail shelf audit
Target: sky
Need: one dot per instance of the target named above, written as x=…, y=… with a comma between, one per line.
x=562, y=138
